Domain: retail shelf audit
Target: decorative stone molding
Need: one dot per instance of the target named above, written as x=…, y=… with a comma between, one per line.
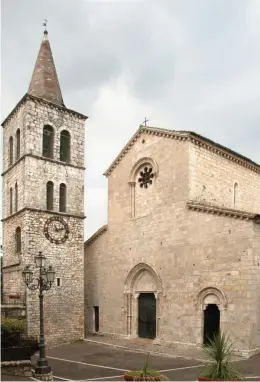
x=96, y=235
x=132, y=292
x=229, y=212
x=192, y=137
x=141, y=162
x=46, y=211
x=44, y=102
x=207, y=291
x=134, y=274
x=67, y=164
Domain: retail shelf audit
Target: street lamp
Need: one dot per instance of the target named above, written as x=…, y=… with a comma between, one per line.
x=43, y=282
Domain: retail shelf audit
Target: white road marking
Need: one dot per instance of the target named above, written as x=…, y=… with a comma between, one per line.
x=145, y=351
x=252, y=377
x=87, y=364
x=103, y=378
x=63, y=379
x=180, y=368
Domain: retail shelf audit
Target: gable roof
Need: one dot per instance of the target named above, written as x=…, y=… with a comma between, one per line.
x=98, y=233
x=184, y=136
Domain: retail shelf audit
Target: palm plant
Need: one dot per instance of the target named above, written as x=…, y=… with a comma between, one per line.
x=146, y=374
x=219, y=352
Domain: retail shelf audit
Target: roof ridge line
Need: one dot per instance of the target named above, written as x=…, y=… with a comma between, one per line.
x=186, y=135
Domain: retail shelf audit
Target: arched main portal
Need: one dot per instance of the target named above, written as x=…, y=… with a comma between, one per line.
x=143, y=290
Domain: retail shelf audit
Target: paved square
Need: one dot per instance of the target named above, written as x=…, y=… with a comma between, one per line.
x=100, y=362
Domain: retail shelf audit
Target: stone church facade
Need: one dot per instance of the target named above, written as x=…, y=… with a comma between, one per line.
x=43, y=201
x=180, y=255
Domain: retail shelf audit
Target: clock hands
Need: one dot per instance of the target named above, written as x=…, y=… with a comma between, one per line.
x=58, y=229
x=55, y=225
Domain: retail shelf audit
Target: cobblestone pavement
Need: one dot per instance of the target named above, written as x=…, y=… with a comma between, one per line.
x=101, y=362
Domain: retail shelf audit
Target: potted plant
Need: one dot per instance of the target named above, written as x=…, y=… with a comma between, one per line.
x=145, y=374
x=219, y=368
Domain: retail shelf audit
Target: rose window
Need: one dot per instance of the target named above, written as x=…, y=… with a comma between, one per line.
x=146, y=176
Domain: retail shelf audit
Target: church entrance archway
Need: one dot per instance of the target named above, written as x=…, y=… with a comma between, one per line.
x=211, y=322
x=143, y=291
x=147, y=315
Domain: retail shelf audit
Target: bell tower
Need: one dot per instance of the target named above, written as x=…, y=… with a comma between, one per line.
x=43, y=201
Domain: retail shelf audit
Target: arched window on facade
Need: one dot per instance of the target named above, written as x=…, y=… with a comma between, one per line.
x=48, y=141
x=142, y=186
x=16, y=198
x=49, y=195
x=18, y=240
x=65, y=146
x=18, y=136
x=11, y=201
x=235, y=194
x=11, y=151
x=63, y=191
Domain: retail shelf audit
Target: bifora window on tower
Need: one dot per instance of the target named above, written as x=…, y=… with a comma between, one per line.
x=146, y=176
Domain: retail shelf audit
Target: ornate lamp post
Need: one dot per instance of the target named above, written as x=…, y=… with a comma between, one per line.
x=43, y=282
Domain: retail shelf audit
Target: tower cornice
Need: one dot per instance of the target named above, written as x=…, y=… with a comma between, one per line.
x=68, y=164
x=81, y=217
x=42, y=101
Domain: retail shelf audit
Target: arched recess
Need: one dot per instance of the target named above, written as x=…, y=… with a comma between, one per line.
x=211, y=295
x=11, y=151
x=48, y=141
x=141, y=279
x=141, y=163
x=65, y=146
x=235, y=191
x=18, y=143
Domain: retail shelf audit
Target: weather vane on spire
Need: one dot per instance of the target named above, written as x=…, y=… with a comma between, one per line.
x=45, y=23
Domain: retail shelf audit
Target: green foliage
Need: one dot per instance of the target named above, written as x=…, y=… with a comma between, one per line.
x=14, y=324
x=140, y=373
x=219, y=352
x=146, y=372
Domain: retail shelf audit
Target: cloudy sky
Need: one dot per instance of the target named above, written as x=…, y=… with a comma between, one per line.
x=183, y=64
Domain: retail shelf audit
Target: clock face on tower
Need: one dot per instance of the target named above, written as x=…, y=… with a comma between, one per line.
x=56, y=230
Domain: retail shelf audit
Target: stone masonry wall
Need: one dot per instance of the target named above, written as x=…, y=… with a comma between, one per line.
x=255, y=335
x=212, y=179
x=172, y=171
x=188, y=257
x=16, y=175
x=64, y=304
x=188, y=250
x=35, y=195
x=15, y=123
x=94, y=261
x=39, y=114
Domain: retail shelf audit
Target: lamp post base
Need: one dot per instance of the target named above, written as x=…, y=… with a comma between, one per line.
x=43, y=373
x=45, y=376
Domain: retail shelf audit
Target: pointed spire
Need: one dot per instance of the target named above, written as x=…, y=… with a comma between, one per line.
x=44, y=83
